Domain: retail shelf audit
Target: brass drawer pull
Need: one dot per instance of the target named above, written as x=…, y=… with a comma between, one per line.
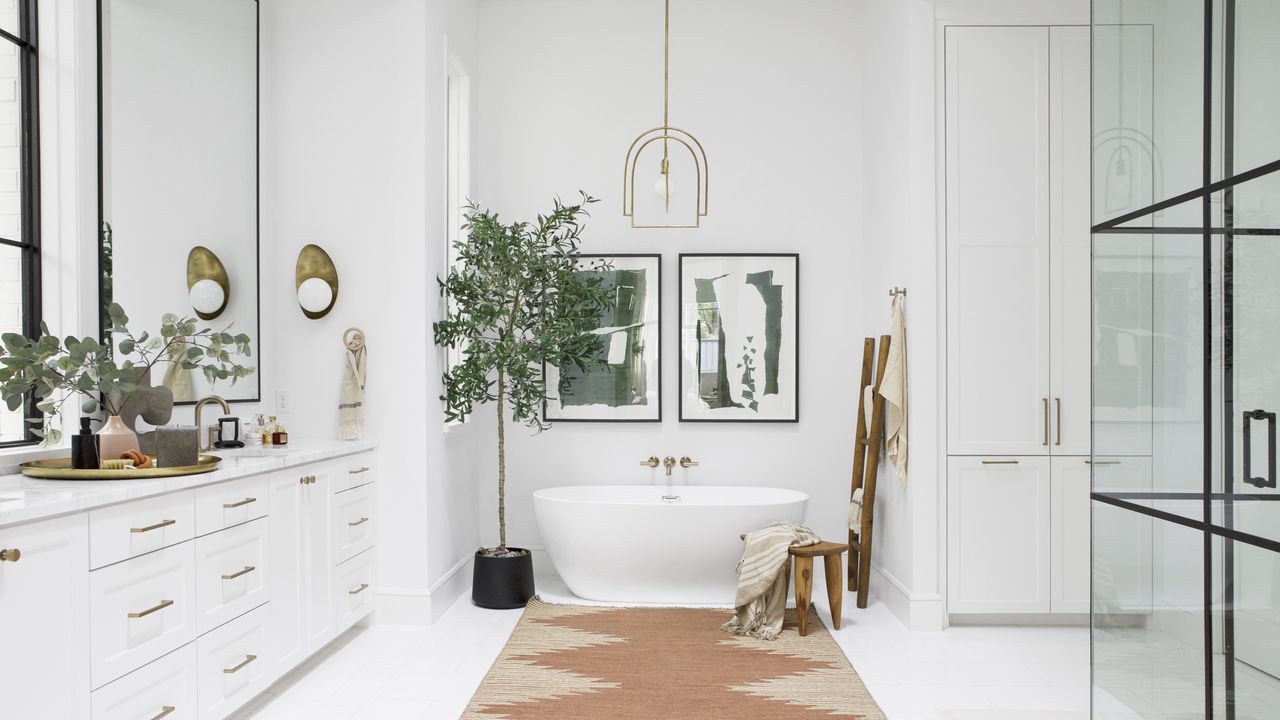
x=157, y=526
x=242, y=503
x=1101, y=462
x=247, y=659
x=163, y=604
x=357, y=591
x=358, y=471
x=1057, y=423
x=165, y=712
x=247, y=569
x=361, y=521
x=1046, y=421
x=10, y=555
x=999, y=462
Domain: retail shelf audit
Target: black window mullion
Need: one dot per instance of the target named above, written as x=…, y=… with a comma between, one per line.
x=29, y=180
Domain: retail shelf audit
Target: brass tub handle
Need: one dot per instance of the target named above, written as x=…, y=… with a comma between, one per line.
x=242, y=503
x=163, y=604
x=247, y=659
x=157, y=526
x=247, y=569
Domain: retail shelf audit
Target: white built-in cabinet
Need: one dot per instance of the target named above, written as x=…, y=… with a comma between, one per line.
x=1018, y=318
x=184, y=605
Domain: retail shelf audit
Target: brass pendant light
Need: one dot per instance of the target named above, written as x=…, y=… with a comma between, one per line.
x=668, y=138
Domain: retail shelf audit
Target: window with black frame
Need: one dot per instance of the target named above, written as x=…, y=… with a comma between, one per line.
x=19, y=188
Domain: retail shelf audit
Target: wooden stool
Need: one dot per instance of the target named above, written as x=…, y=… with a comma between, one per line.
x=830, y=553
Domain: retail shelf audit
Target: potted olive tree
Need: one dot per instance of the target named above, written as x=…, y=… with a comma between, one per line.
x=518, y=298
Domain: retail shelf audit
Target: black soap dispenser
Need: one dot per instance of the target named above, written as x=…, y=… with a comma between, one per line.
x=84, y=447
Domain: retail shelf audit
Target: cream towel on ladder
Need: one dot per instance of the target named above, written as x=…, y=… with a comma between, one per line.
x=761, y=600
x=893, y=388
x=351, y=396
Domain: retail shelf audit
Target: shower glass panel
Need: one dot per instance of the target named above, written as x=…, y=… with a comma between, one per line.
x=1186, y=353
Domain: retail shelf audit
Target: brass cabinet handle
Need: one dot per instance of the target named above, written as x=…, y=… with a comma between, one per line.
x=357, y=591
x=1057, y=425
x=361, y=521
x=999, y=462
x=163, y=604
x=1046, y=421
x=358, y=471
x=247, y=569
x=157, y=526
x=242, y=503
x=247, y=659
x=165, y=712
x=1101, y=462
x=10, y=555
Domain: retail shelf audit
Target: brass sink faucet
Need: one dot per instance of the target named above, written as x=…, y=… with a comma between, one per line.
x=226, y=410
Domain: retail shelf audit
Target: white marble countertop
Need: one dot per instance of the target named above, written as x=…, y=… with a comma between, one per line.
x=23, y=499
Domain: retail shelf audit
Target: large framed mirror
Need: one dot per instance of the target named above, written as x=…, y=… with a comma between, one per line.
x=178, y=158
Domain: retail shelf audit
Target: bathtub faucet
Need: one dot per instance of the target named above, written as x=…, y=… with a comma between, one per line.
x=669, y=463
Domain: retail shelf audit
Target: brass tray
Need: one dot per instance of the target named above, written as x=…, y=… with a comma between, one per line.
x=60, y=469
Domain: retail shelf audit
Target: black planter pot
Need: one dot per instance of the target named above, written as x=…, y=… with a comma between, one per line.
x=502, y=583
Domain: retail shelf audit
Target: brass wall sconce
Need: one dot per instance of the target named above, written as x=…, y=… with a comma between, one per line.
x=315, y=278
x=667, y=138
x=208, y=287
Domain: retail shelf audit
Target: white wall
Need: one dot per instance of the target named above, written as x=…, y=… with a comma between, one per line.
x=771, y=90
x=353, y=142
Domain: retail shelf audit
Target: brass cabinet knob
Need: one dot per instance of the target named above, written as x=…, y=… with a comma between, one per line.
x=10, y=555
x=308, y=480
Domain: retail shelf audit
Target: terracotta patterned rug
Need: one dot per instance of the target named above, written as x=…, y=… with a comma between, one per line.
x=573, y=662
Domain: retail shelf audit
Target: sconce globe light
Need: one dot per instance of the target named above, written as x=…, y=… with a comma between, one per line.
x=315, y=280
x=208, y=287
x=643, y=157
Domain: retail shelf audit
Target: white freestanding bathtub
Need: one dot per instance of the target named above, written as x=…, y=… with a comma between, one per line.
x=636, y=543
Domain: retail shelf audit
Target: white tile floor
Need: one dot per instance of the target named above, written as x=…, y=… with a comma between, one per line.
x=966, y=673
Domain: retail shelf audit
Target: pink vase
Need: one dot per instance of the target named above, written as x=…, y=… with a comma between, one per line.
x=115, y=439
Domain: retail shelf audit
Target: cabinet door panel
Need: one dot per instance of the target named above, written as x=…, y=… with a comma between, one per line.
x=317, y=593
x=1070, y=542
x=997, y=224
x=998, y=530
x=1069, y=153
x=286, y=615
x=44, y=599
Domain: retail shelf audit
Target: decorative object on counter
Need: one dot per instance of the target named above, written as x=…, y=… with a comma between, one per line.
x=866, y=464
x=84, y=447
x=762, y=579
x=625, y=383
x=695, y=183
x=152, y=403
x=351, y=395
x=60, y=469
x=893, y=387
x=138, y=459
x=739, y=337
x=315, y=279
x=582, y=661
x=115, y=438
x=279, y=436
x=177, y=445
x=516, y=299
x=229, y=433
x=56, y=370
x=208, y=286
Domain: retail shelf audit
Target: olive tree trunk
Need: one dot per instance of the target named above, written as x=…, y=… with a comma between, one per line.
x=502, y=463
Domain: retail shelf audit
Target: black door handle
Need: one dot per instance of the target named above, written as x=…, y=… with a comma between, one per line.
x=1270, y=480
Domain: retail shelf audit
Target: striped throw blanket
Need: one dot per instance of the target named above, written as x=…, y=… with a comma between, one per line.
x=762, y=579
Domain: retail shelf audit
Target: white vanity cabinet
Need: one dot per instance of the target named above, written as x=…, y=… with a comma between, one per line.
x=186, y=603
x=44, y=623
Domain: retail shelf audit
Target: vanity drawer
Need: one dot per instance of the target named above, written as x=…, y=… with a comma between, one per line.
x=139, y=610
x=233, y=665
x=353, y=590
x=352, y=523
x=354, y=471
x=164, y=689
x=231, y=573
x=227, y=504
x=123, y=531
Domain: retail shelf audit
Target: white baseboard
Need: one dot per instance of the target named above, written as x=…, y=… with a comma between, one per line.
x=918, y=611
x=424, y=606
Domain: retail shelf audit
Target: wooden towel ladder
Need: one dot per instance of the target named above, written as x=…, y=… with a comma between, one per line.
x=866, y=463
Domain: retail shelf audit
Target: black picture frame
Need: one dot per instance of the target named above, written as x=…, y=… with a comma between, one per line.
x=795, y=340
x=657, y=352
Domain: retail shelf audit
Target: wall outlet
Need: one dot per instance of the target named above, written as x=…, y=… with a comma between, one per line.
x=282, y=401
